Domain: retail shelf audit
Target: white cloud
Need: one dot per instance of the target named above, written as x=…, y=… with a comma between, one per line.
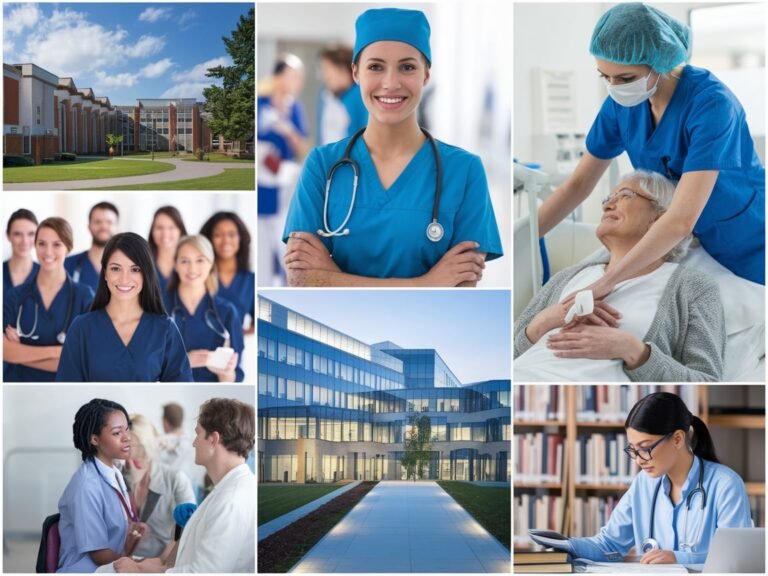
x=186, y=90
x=68, y=44
x=154, y=14
x=187, y=20
x=197, y=73
x=21, y=17
x=7, y=48
x=156, y=68
x=105, y=81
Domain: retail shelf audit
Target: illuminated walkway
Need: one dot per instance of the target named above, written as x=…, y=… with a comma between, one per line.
x=407, y=527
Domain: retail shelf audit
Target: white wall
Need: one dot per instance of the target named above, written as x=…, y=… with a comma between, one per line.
x=40, y=418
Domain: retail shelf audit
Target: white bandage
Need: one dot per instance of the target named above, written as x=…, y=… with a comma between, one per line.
x=583, y=305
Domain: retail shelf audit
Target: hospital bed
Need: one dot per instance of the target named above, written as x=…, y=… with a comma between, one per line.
x=744, y=302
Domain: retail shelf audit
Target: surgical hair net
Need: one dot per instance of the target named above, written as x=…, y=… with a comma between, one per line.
x=398, y=24
x=635, y=34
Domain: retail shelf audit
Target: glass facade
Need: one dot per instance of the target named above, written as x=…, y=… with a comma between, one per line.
x=332, y=407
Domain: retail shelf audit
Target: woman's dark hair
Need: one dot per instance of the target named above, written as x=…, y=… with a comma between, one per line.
x=20, y=214
x=244, y=253
x=339, y=55
x=663, y=412
x=89, y=420
x=137, y=251
x=173, y=213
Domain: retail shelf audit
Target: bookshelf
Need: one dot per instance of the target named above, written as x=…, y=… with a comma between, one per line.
x=597, y=497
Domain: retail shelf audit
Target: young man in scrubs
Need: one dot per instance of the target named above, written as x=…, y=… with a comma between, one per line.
x=85, y=267
x=680, y=121
x=387, y=243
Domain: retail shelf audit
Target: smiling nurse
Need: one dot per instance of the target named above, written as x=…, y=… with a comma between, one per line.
x=390, y=206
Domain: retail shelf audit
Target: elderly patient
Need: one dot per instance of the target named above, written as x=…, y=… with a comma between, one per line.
x=664, y=325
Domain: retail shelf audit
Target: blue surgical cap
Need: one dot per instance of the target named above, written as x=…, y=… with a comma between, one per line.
x=638, y=34
x=395, y=24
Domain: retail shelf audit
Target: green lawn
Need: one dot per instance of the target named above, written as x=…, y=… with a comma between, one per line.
x=278, y=499
x=230, y=179
x=490, y=506
x=217, y=157
x=83, y=169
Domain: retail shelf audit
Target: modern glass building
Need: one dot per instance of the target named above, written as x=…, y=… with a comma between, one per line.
x=331, y=407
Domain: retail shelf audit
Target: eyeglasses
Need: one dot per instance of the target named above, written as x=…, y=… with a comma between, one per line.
x=622, y=194
x=644, y=453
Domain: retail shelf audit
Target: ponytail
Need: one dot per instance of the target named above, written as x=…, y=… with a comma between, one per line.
x=701, y=441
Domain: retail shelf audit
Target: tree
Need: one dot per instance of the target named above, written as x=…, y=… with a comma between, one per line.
x=113, y=140
x=418, y=443
x=232, y=105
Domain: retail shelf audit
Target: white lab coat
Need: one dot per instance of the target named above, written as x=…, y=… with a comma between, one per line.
x=220, y=535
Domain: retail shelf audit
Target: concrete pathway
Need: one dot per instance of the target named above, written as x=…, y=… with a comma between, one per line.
x=269, y=528
x=185, y=170
x=407, y=527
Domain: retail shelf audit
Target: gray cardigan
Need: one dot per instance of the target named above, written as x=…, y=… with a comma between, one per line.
x=686, y=337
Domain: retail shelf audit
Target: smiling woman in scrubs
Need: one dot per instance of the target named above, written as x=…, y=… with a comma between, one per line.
x=38, y=315
x=670, y=445
x=20, y=268
x=682, y=122
x=127, y=336
x=98, y=521
x=206, y=321
x=167, y=227
x=387, y=244
x=237, y=283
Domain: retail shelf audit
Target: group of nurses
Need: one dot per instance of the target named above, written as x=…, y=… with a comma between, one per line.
x=20, y=268
x=84, y=267
x=232, y=246
x=682, y=496
x=680, y=121
x=164, y=234
x=38, y=314
x=206, y=321
x=98, y=523
x=382, y=229
x=127, y=336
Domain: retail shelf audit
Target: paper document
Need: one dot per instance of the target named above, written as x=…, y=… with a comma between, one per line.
x=584, y=565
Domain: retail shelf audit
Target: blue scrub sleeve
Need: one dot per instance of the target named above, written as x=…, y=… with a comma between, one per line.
x=231, y=320
x=176, y=366
x=10, y=307
x=305, y=213
x=72, y=360
x=88, y=520
x=732, y=503
x=715, y=136
x=474, y=219
x=299, y=119
x=615, y=539
x=604, y=140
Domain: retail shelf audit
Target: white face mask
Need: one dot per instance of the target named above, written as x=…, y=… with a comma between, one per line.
x=632, y=93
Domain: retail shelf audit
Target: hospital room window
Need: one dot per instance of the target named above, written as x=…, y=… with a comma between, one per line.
x=728, y=37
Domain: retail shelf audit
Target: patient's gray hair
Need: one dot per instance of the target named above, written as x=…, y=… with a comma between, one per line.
x=662, y=189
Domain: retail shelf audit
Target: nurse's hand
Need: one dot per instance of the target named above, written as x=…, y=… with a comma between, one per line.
x=198, y=358
x=659, y=557
x=125, y=565
x=599, y=343
x=600, y=289
x=136, y=531
x=11, y=334
x=462, y=263
x=305, y=251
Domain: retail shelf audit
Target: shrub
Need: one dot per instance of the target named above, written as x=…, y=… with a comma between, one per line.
x=10, y=160
x=68, y=156
x=199, y=153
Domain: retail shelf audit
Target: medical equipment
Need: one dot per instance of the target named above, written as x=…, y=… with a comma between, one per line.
x=128, y=506
x=583, y=305
x=532, y=182
x=30, y=292
x=77, y=272
x=435, y=230
x=651, y=543
x=211, y=312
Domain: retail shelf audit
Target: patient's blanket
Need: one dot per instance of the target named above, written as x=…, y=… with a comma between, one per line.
x=637, y=300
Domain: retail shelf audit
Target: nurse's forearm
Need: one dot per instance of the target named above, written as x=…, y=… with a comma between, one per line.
x=105, y=556
x=18, y=353
x=49, y=365
x=571, y=193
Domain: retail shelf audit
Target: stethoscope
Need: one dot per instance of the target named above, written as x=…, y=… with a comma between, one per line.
x=128, y=505
x=61, y=336
x=211, y=312
x=435, y=230
x=79, y=267
x=650, y=543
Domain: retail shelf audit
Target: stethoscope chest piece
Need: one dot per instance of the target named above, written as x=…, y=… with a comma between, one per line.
x=650, y=544
x=435, y=231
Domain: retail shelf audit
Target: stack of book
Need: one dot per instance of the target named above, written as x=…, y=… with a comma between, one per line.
x=537, y=562
x=604, y=403
x=532, y=511
x=539, y=457
x=540, y=403
x=600, y=459
x=757, y=505
x=592, y=513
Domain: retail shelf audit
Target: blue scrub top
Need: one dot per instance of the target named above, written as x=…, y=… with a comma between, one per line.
x=242, y=293
x=49, y=322
x=703, y=128
x=387, y=230
x=629, y=524
x=197, y=335
x=94, y=351
x=268, y=195
x=163, y=281
x=81, y=270
x=8, y=283
x=92, y=518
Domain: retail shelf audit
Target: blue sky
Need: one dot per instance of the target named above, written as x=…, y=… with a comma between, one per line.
x=470, y=329
x=123, y=51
